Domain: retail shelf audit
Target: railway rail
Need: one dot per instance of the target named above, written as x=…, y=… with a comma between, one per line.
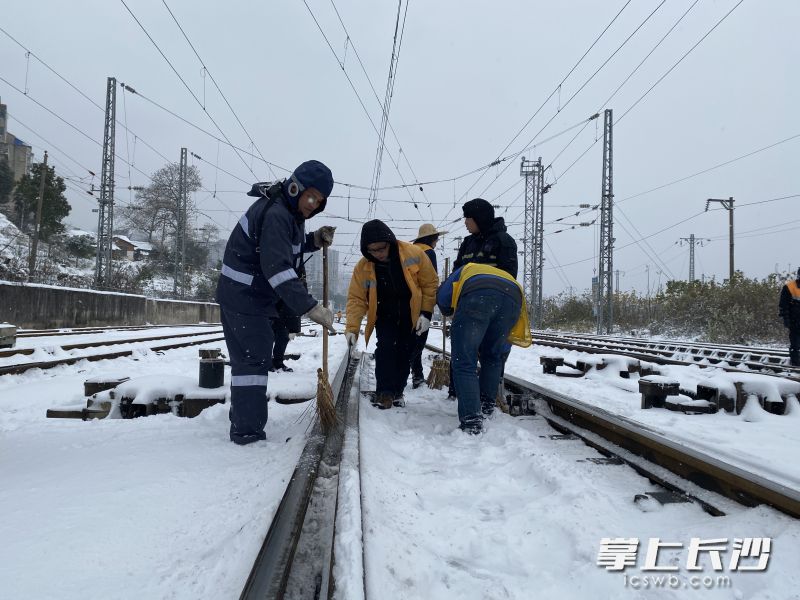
x=757, y=360
x=28, y=333
x=296, y=558
x=15, y=369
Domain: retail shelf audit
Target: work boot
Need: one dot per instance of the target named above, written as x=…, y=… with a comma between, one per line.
x=399, y=400
x=417, y=381
x=472, y=426
x=281, y=368
x=487, y=406
x=384, y=400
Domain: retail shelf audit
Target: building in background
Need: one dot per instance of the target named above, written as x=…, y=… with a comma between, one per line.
x=314, y=276
x=15, y=152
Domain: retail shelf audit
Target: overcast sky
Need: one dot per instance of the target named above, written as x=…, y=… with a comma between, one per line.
x=469, y=76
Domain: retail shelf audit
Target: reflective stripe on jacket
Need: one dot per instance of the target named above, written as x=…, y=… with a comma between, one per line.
x=262, y=256
x=362, y=296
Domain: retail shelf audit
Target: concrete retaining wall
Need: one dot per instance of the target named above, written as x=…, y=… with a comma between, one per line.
x=32, y=306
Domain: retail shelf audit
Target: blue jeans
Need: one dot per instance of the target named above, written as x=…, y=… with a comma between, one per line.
x=481, y=324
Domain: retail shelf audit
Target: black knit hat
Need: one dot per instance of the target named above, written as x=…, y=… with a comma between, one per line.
x=480, y=211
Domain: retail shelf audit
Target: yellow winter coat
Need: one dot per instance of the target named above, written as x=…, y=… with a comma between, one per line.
x=362, y=296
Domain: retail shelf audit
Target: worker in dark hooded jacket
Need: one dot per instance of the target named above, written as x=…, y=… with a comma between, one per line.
x=394, y=285
x=259, y=269
x=789, y=311
x=488, y=242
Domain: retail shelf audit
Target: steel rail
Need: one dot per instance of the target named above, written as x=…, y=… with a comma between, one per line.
x=296, y=557
x=688, y=463
x=49, y=364
x=103, y=329
x=99, y=343
x=594, y=346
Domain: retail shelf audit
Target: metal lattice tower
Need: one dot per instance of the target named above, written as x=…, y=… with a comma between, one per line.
x=532, y=237
x=605, y=270
x=693, y=241
x=181, y=230
x=105, y=218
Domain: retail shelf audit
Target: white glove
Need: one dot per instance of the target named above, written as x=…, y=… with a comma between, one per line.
x=351, y=338
x=323, y=316
x=292, y=336
x=324, y=236
x=423, y=324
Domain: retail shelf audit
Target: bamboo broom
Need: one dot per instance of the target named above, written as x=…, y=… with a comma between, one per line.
x=326, y=409
x=440, y=369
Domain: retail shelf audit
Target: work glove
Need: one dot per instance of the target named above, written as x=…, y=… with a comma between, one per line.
x=292, y=336
x=324, y=236
x=323, y=316
x=423, y=324
x=351, y=338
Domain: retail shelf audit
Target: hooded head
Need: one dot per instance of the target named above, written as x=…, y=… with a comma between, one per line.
x=310, y=174
x=480, y=211
x=373, y=232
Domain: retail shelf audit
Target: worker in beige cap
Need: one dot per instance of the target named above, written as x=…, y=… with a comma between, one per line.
x=426, y=240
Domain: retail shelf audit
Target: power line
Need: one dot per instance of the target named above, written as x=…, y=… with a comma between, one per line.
x=214, y=81
x=186, y=85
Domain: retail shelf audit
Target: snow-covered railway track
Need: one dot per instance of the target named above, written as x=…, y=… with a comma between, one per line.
x=737, y=359
x=673, y=465
x=33, y=333
x=206, y=336
x=296, y=558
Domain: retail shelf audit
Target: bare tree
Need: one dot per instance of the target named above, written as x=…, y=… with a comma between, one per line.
x=155, y=211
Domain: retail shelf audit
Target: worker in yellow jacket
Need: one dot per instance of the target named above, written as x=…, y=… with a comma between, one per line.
x=394, y=285
x=489, y=315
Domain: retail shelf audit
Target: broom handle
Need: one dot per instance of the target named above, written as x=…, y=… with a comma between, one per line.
x=325, y=304
x=444, y=318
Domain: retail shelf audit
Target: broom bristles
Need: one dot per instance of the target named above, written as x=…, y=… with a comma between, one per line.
x=326, y=409
x=440, y=374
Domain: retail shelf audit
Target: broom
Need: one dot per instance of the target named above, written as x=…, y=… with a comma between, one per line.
x=440, y=369
x=326, y=410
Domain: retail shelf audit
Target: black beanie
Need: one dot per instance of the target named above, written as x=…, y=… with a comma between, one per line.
x=480, y=211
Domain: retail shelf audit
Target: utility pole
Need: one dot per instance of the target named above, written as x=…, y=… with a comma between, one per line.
x=105, y=218
x=181, y=230
x=533, y=237
x=727, y=205
x=605, y=288
x=692, y=241
x=35, y=247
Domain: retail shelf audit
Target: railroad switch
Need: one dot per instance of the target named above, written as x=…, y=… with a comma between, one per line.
x=550, y=364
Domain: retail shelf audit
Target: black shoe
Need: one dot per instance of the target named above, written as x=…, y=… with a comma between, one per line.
x=399, y=400
x=417, y=381
x=281, y=367
x=487, y=406
x=472, y=427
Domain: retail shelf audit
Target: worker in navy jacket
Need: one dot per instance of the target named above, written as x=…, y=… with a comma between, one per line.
x=259, y=269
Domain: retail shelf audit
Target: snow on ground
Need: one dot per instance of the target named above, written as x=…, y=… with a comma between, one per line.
x=156, y=507
x=164, y=507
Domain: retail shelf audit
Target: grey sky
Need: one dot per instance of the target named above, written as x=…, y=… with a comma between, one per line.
x=470, y=75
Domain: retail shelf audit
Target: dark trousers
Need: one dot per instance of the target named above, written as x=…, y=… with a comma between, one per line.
x=794, y=347
x=249, y=340
x=281, y=334
x=481, y=324
x=416, y=355
x=393, y=354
